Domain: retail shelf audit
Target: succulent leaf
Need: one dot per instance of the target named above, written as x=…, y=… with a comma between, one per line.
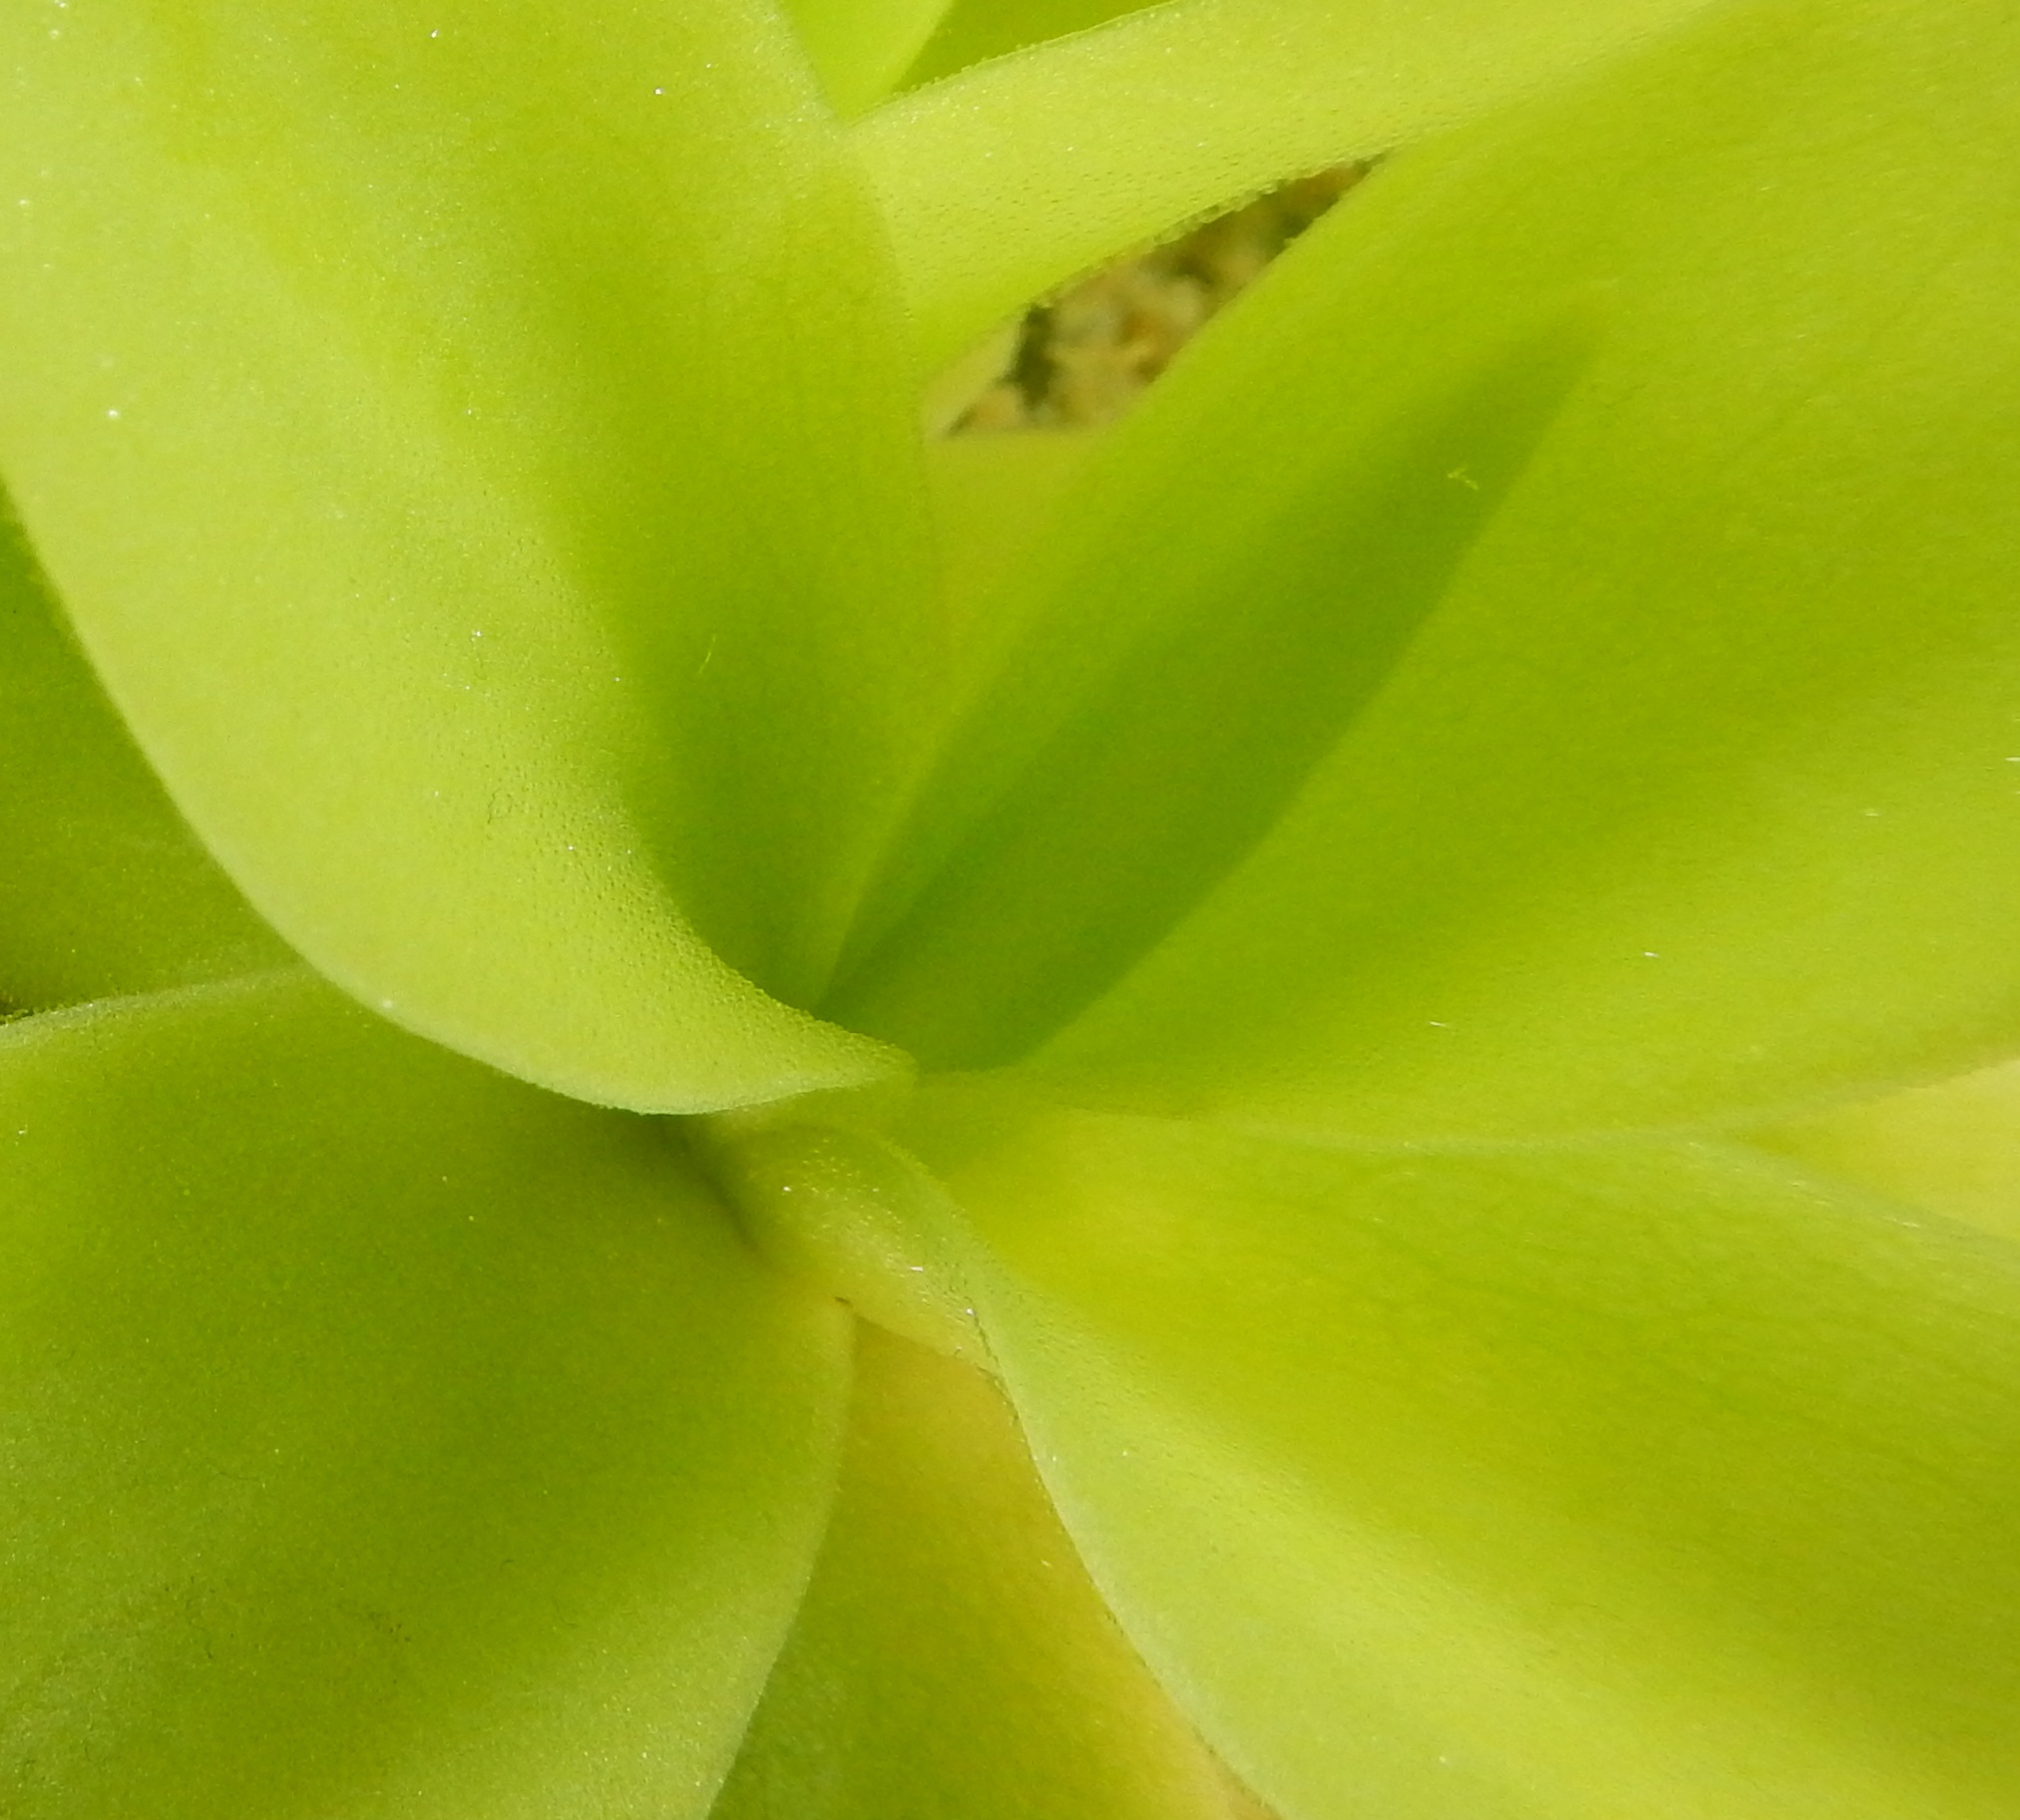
x=382, y=1437
x=1665, y=1480
x=104, y=888
x=951, y=1656
x=469, y=443
x=1004, y=180
x=1684, y=785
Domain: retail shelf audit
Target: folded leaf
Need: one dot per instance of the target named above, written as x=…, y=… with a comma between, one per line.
x=1655, y=1481
x=381, y=1438
x=104, y=890
x=1006, y=181
x=950, y=1658
x=467, y=439
x=1574, y=593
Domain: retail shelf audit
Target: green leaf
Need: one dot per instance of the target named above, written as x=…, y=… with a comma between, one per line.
x=104, y=888
x=972, y=31
x=381, y=1437
x=1664, y=1481
x=1654, y=454
x=1172, y=696
x=861, y=48
x=994, y=497
x=1954, y=1148
x=469, y=441
x=1005, y=182
x=950, y=1658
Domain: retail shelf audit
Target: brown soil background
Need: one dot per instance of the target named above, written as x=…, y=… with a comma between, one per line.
x=1084, y=356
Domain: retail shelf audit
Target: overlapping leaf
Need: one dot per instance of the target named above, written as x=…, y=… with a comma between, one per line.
x=1575, y=691
x=467, y=440
x=1003, y=181
x=1665, y=1482
x=862, y=51
x=1547, y=659
x=950, y=1658
x=103, y=889
x=378, y=1436
x=974, y=31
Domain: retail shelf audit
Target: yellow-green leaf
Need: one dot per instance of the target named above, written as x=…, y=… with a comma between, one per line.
x=861, y=48
x=1546, y=659
x=467, y=439
x=1954, y=1148
x=951, y=1659
x=103, y=889
x=1664, y=1482
x=379, y=1438
x=1004, y=180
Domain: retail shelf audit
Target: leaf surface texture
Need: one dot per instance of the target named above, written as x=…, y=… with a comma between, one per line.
x=381, y=1437
x=468, y=446
x=1667, y=1482
x=1572, y=592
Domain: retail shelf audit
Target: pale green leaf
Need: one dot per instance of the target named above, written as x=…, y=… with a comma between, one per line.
x=1005, y=182
x=1661, y=1482
x=1185, y=664
x=1545, y=659
x=467, y=440
x=974, y=30
x=103, y=889
x=994, y=498
x=379, y=1438
x=862, y=48
x=1954, y=1148
x=951, y=1662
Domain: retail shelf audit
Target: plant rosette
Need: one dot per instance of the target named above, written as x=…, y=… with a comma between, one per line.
x=716, y=1110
